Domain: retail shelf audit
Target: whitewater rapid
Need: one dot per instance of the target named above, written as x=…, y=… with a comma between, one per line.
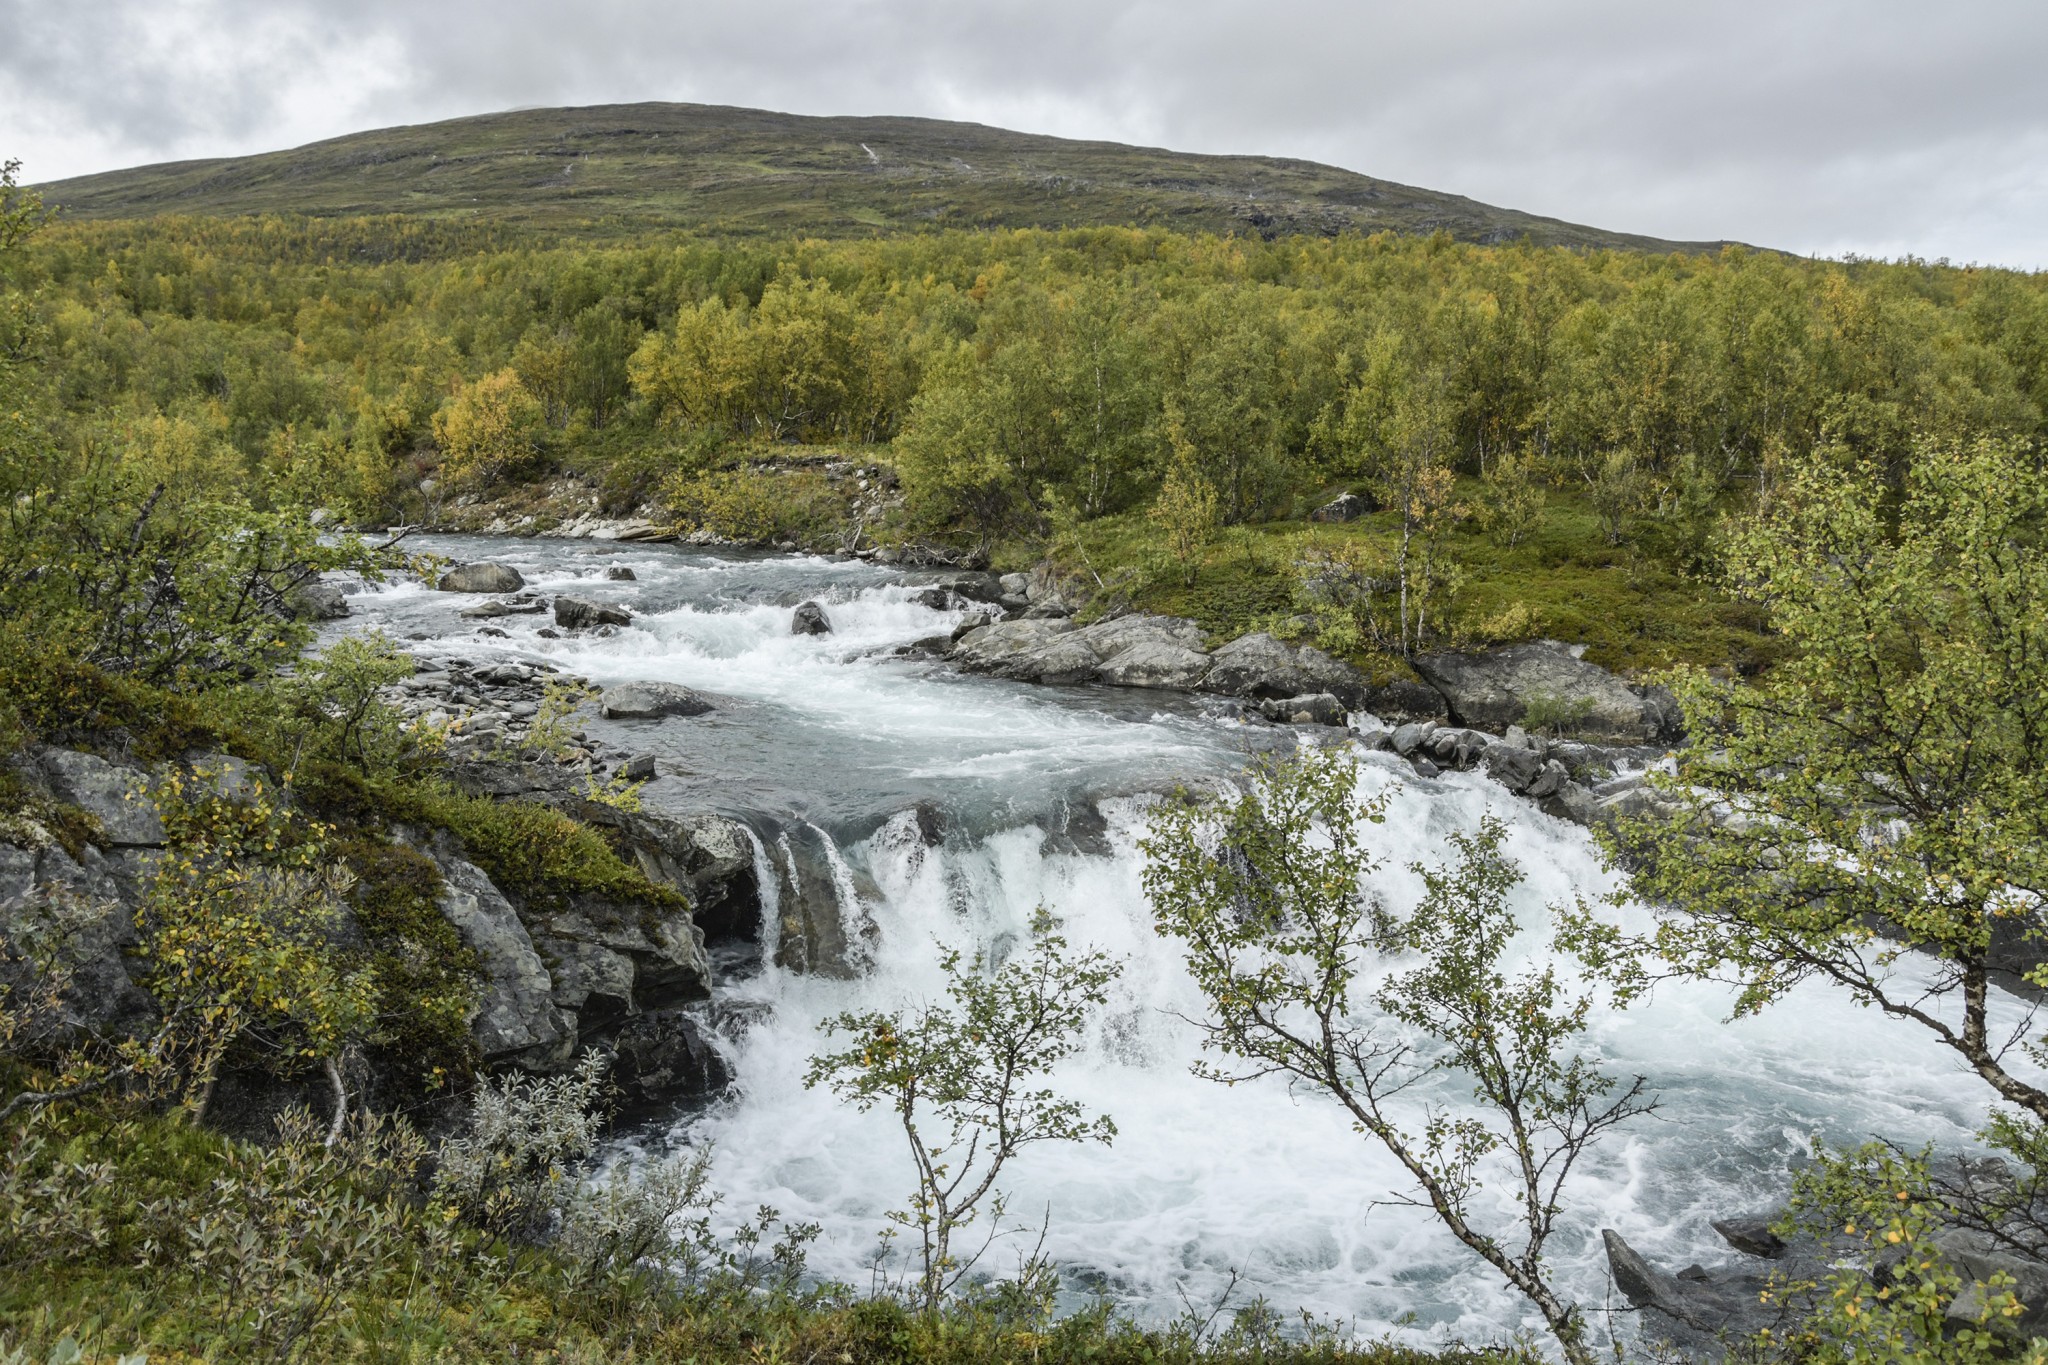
x=1204, y=1183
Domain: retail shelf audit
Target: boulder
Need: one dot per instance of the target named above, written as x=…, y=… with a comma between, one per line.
x=971, y=622
x=1343, y=507
x=1751, y=1233
x=638, y=768
x=1258, y=665
x=317, y=601
x=651, y=700
x=1514, y=768
x=1316, y=708
x=116, y=795
x=1006, y=647
x=970, y=584
x=517, y=1019
x=1407, y=739
x=810, y=619
x=482, y=577
x=667, y=1056
x=620, y=573
x=1403, y=700
x=574, y=613
x=825, y=925
x=1154, y=663
x=1497, y=689
x=1014, y=585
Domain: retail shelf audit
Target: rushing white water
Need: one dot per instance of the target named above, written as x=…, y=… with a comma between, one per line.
x=1202, y=1180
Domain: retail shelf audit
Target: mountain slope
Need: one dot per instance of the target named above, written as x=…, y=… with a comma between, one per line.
x=747, y=171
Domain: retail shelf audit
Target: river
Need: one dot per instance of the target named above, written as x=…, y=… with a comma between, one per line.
x=1041, y=792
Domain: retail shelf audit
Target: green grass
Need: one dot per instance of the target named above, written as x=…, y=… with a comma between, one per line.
x=747, y=172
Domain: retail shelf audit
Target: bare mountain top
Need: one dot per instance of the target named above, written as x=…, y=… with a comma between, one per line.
x=634, y=166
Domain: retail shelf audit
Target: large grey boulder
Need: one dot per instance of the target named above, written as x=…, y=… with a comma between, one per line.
x=1005, y=648
x=317, y=601
x=651, y=700
x=1257, y=665
x=1154, y=663
x=116, y=795
x=75, y=916
x=1512, y=766
x=1402, y=700
x=1497, y=689
x=1731, y=1302
x=517, y=1019
x=481, y=577
x=574, y=613
x=668, y=1056
x=809, y=619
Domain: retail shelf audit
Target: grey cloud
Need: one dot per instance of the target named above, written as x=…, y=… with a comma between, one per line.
x=1877, y=126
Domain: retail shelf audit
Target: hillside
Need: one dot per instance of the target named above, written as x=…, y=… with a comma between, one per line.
x=746, y=171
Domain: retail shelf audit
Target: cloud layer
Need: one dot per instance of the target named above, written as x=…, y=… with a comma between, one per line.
x=1880, y=127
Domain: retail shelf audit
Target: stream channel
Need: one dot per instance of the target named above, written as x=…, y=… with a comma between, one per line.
x=1040, y=793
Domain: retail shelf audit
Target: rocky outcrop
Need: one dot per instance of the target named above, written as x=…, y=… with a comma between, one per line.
x=577, y=613
x=651, y=700
x=481, y=577
x=553, y=979
x=1258, y=665
x=517, y=1019
x=809, y=618
x=1548, y=683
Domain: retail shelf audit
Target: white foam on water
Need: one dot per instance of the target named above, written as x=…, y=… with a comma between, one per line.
x=1205, y=1179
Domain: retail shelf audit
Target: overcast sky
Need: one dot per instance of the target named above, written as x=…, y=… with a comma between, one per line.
x=1880, y=127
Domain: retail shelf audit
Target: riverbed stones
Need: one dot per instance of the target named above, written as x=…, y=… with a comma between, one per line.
x=651, y=700
x=577, y=613
x=481, y=577
x=809, y=618
x=1504, y=687
x=620, y=573
x=1407, y=739
x=1512, y=766
x=1318, y=708
x=638, y=768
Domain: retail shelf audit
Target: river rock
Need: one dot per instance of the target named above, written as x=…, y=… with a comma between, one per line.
x=1407, y=739
x=1496, y=689
x=574, y=613
x=825, y=929
x=1258, y=665
x=1006, y=648
x=973, y=585
x=1512, y=766
x=620, y=573
x=638, y=768
x=317, y=601
x=667, y=1056
x=809, y=619
x=1404, y=700
x=1154, y=663
x=481, y=577
x=650, y=700
x=1318, y=708
x=1752, y=1235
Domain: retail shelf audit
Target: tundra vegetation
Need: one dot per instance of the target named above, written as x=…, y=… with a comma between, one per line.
x=1819, y=480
